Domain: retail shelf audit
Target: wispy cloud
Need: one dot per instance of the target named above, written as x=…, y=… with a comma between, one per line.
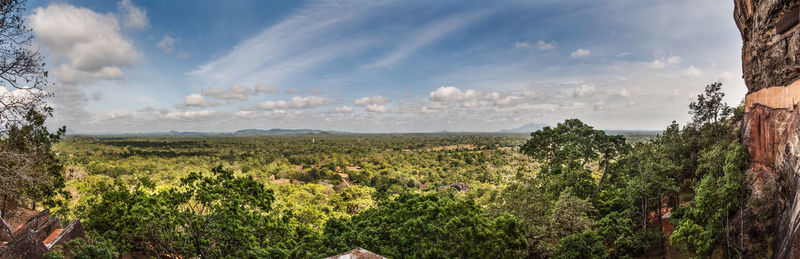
x=290, y=46
x=429, y=34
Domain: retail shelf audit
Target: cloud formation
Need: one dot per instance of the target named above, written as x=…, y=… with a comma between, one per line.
x=86, y=45
x=133, y=16
x=580, y=53
x=167, y=44
x=546, y=45
x=297, y=103
x=692, y=71
x=239, y=92
x=197, y=100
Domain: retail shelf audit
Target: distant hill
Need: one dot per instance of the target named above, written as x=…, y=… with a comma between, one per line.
x=279, y=131
x=527, y=128
x=634, y=133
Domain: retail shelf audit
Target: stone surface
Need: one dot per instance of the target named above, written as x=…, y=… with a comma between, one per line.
x=72, y=231
x=768, y=58
x=775, y=97
x=43, y=231
x=41, y=234
x=771, y=125
x=33, y=223
x=23, y=247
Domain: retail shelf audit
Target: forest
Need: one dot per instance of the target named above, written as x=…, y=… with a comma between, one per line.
x=567, y=191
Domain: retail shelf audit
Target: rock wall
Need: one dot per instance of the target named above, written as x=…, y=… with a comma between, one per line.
x=771, y=125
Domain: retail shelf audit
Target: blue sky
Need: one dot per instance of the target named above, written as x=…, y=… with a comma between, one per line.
x=382, y=66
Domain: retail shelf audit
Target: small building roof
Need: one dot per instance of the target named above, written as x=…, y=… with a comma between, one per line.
x=358, y=253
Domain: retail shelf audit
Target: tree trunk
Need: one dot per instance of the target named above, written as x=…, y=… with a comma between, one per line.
x=600, y=184
x=644, y=213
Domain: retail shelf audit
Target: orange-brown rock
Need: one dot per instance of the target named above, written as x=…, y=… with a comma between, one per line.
x=771, y=125
x=38, y=235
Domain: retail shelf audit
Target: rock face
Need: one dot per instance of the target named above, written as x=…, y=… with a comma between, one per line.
x=38, y=235
x=771, y=126
x=770, y=54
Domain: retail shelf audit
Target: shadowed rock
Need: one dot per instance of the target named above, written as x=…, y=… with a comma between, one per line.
x=5, y=231
x=771, y=125
x=47, y=228
x=23, y=247
x=33, y=223
x=72, y=231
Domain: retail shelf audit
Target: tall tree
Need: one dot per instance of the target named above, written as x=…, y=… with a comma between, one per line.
x=29, y=170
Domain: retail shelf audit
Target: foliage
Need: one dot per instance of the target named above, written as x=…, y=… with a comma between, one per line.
x=85, y=249
x=586, y=244
x=204, y=216
x=434, y=225
x=721, y=193
x=29, y=170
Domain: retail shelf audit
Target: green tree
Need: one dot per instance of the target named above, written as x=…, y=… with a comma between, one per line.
x=566, y=150
x=722, y=192
x=434, y=225
x=586, y=244
x=29, y=170
x=204, y=217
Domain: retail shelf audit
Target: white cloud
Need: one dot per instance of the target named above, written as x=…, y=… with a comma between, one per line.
x=692, y=71
x=546, y=45
x=190, y=115
x=674, y=60
x=451, y=94
x=297, y=103
x=584, y=90
x=343, y=109
x=624, y=92
x=376, y=108
x=311, y=102
x=273, y=105
x=167, y=44
x=236, y=91
x=429, y=34
x=521, y=44
x=375, y=99
x=662, y=62
x=196, y=100
x=239, y=92
x=580, y=53
x=657, y=64
x=305, y=39
x=132, y=16
x=86, y=45
x=263, y=88
x=531, y=94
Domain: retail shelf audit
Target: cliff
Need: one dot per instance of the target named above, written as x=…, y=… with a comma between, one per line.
x=771, y=125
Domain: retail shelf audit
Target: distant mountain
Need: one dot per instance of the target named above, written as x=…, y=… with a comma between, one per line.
x=278, y=131
x=188, y=133
x=527, y=128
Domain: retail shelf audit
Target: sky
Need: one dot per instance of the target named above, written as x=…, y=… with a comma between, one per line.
x=137, y=66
